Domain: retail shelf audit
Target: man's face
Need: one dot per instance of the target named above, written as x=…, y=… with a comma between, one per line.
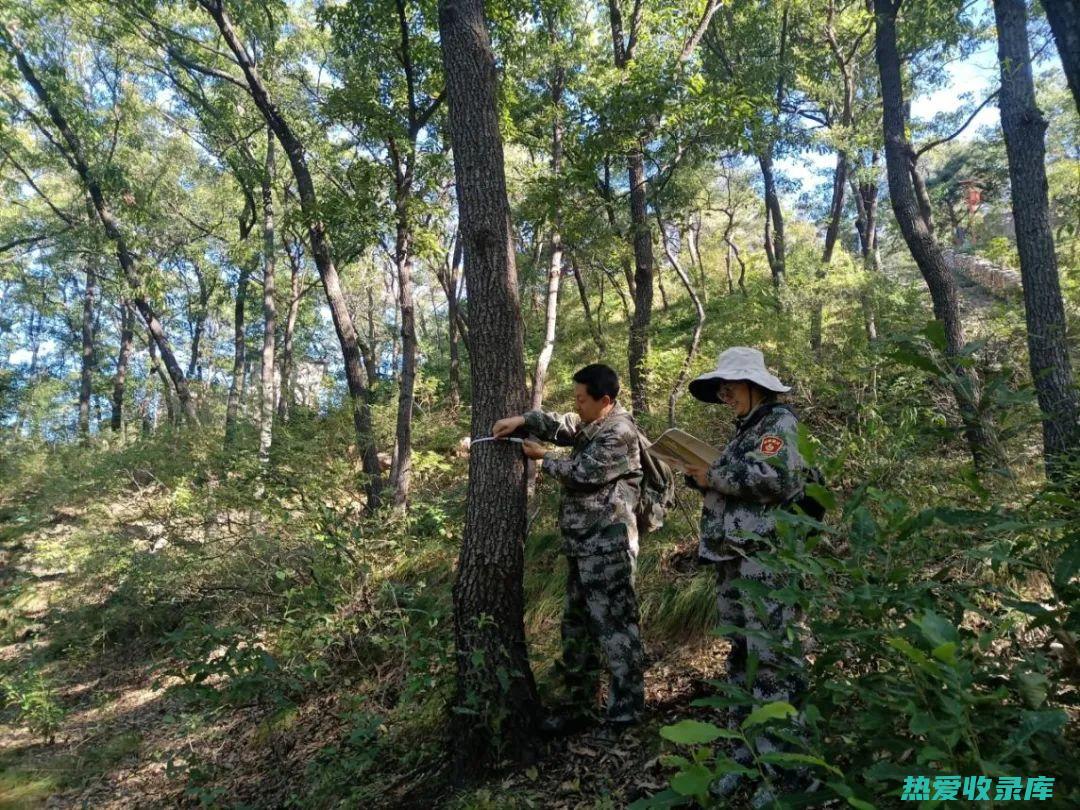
x=586, y=407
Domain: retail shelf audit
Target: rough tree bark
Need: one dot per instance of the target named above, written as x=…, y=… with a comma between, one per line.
x=1064, y=17
x=321, y=248
x=496, y=695
x=127, y=318
x=73, y=153
x=266, y=372
x=1024, y=128
x=920, y=239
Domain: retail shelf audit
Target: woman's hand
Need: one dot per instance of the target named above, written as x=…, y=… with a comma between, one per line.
x=698, y=472
x=533, y=450
x=504, y=427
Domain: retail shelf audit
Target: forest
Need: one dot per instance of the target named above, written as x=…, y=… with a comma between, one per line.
x=270, y=268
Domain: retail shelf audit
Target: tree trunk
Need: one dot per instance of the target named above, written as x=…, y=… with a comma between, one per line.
x=266, y=372
x=1064, y=17
x=288, y=361
x=86, y=387
x=321, y=250
x=401, y=470
x=156, y=369
x=836, y=210
x=695, y=338
x=594, y=329
x=194, y=370
x=1024, y=128
x=127, y=318
x=920, y=239
x=643, y=281
x=73, y=153
x=775, y=249
x=239, y=352
x=496, y=695
x=551, y=313
x=693, y=241
x=450, y=278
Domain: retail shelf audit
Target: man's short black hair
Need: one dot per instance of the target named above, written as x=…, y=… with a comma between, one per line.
x=599, y=380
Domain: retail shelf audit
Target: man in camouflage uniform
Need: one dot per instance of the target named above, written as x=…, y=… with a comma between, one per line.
x=600, y=481
x=759, y=470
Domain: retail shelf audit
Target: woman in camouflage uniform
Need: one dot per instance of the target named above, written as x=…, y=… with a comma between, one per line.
x=758, y=471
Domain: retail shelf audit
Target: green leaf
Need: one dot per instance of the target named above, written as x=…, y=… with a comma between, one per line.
x=910, y=652
x=910, y=358
x=937, y=630
x=770, y=711
x=1068, y=564
x=935, y=333
x=694, y=732
x=782, y=758
x=1033, y=687
x=694, y=781
x=945, y=652
x=821, y=495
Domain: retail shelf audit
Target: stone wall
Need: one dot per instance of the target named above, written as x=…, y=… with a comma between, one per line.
x=1001, y=281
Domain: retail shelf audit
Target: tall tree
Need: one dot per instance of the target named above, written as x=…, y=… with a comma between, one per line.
x=87, y=369
x=127, y=335
x=1048, y=352
x=919, y=237
x=266, y=374
x=318, y=238
x=625, y=39
x=496, y=695
x=1064, y=17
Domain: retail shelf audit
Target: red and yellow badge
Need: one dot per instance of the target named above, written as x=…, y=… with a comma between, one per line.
x=771, y=445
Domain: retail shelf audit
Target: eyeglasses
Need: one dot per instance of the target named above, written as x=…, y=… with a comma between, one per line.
x=725, y=389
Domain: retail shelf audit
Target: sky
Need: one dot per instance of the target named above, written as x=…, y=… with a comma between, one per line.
x=977, y=74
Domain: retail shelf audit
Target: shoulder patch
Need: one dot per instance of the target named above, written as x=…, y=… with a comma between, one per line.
x=771, y=444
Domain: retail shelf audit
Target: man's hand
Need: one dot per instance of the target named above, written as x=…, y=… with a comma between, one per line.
x=698, y=472
x=533, y=450
x=504, y=427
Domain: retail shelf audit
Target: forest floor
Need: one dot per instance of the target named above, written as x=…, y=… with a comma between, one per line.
x=123, y=739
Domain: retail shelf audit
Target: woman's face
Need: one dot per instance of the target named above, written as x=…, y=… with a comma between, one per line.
x=736, y=395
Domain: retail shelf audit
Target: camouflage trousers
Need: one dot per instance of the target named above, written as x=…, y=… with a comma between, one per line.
x=761, y=657
x=601, y=616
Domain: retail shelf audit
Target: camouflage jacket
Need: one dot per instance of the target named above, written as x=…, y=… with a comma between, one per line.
x=601, y=479
x=759, y=469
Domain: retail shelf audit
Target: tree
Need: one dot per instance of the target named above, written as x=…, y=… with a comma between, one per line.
x=495, y=701
x=266, y=373
x=918, y=235
x=1048, y=350
x=390, y=93
x=1064, y=17
x=70, y=146
x=318, y=238
x=625, y=40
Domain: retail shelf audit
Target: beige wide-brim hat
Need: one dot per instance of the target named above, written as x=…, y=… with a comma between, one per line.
x=734, y=364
